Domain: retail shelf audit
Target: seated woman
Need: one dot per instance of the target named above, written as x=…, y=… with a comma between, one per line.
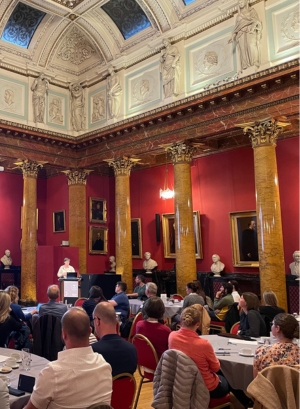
x=192, y=298
x=285, y=327
x=200, y=351
x=270, y=307
x=252, y=323
x=95, y=296
x=7, y=322
x=157, y=333
x=13, y=292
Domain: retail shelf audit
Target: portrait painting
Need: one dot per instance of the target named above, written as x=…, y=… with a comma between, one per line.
x=244, y=239
x=98, y=240
x=136, y=238
x=59, y=221
x=168, y=225
x=97, y=210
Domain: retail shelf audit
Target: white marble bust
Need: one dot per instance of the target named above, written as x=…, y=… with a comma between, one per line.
x=294, y=267
x=6, y=260
x=148, y=263
x=217, y=265
x=112, y=261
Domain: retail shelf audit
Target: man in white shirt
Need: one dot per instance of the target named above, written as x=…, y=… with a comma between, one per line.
x=79, y=378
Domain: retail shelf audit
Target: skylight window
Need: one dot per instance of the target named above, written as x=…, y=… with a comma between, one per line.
x=187, y=2
x=21, y=25
x=127, y=15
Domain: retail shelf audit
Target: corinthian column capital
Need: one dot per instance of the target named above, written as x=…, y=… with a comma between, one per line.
x=77, y=176
x=264, y=132
x=180, y=152
x=123, y=165
x=29, y=168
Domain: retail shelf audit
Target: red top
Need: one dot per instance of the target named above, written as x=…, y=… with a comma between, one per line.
x=157, y=334
x=200, y=351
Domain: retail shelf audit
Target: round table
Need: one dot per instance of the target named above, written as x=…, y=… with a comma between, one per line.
x=37, y=364
x=170, y=308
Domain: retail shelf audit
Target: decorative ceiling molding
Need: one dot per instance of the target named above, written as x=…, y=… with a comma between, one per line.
x=159, y=14
x=52, y=39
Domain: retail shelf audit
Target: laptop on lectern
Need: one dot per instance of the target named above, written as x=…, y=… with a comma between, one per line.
x=72, y=275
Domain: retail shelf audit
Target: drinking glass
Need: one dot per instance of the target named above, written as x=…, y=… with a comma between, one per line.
x=26, y=359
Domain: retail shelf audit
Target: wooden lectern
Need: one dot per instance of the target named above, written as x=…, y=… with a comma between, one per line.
x=69, y=289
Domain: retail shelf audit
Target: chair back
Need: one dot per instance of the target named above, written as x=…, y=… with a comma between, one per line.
x=234, y=329
x=177, y=297
x=100, y=406
x=147, y=356
x=232, y=316
x=124, y=387
x=47, y=340
x=137, y=318
x=79, y=302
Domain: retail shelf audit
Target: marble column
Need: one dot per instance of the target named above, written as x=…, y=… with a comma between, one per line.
x=184, y=228
x=29, y=228
x=263, y=135
x=77, y=213
x=122, y=168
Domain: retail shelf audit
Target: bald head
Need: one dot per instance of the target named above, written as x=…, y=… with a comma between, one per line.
x=106, y=312
x=53, y=292
x=76, y=327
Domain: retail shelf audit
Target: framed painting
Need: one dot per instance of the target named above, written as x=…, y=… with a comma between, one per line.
x=244, y=239
x=59, y=221
x=136, y=238
x=97, y=210
x=168, y=225
x=98, y=240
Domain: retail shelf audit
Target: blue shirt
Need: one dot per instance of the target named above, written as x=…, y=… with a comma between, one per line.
x=123, y=304
x=17, y=310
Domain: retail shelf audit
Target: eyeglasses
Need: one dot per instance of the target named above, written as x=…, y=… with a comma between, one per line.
x=97, y=318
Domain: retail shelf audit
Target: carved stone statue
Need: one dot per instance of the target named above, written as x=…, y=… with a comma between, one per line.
x=6, y=260
x=112, y=260
x=247, y=35
x=217, y=265
x=295, y=266
x=148, y=263
x=114, y=91
x=170, y=69
x=77, y=107
x=39, y=87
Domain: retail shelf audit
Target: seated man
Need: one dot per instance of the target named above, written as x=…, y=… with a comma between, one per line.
x=120, y=300
x=120, y=354
x=79, y=378
x=151, y=291
x=222, y=302
x=52, y=306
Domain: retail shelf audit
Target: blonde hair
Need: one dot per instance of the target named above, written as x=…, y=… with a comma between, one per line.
x=13, y=292
x=4, y=306
x=270, y=298
x=190, y=316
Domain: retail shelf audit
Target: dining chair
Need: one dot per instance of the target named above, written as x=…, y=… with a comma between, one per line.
x=124, y=388
x=79, y=302
x=234, y=329
x=47, y=340
x=177, y=297
x=217, y=326
x=132, y=332
x=147, y=361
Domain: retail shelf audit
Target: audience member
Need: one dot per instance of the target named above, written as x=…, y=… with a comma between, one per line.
x=7, y=322
x=120, y=300
x=192, y=298
x=200, y=351
x=235, y=290
x=120, y=354
x=95, y=296
x=13, y=292
x=222, y=302
x=207, y=300
x=151, y=291
x=252, y=323
x=52, y=306
x=270, y=309
x=139, y=291
x=79, y=378
x=157, y=333
x=285, y=327
x=4, y=396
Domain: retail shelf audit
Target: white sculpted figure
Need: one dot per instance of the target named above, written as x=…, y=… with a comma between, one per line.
x=39, y=87
x=6, y=260
x=295, y=266
x=77, y=107
x=114, y=91
x=170, y=69
x=112, y=260
x=148, y=263
x=247, y=35
x=217, y=265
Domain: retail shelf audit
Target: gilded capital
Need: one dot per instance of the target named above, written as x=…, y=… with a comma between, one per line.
x=29, y=168
x=122, y=166
x=77, y=177
x=181, y=152
x=264, y=132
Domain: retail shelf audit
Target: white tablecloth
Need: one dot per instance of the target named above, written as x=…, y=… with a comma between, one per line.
x=170, y=308
x=135, y=305
x=37, y=365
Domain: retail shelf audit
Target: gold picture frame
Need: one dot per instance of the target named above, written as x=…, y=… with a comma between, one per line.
x=244, y=239
x=59, y=221
x=98, y=211
x=136, y=238
x=98, y=240
x=168, y=222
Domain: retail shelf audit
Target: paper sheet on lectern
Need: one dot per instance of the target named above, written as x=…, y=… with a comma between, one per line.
x=71, y=289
